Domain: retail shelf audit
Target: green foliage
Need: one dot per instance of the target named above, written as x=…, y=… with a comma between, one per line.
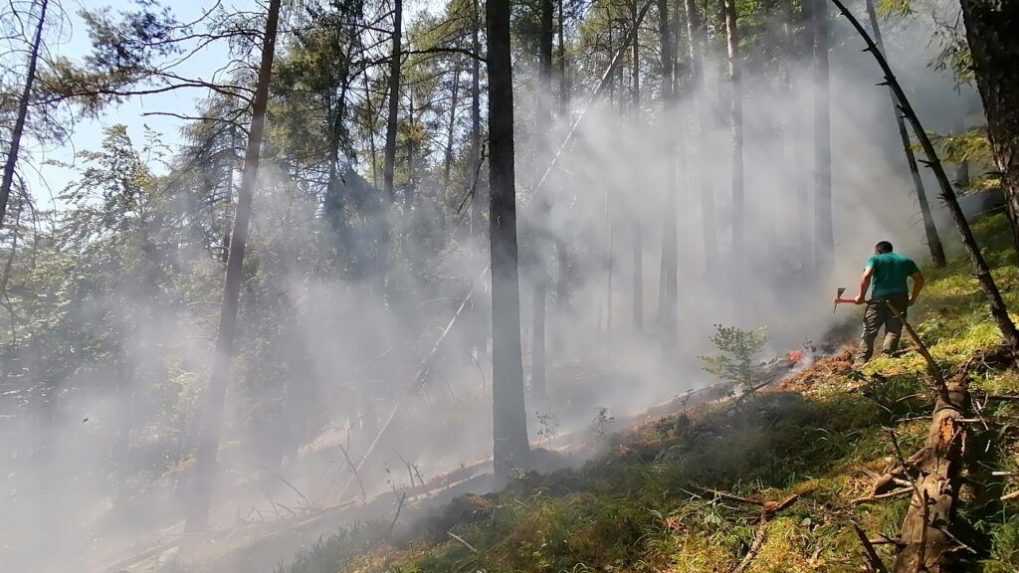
x=737, y=349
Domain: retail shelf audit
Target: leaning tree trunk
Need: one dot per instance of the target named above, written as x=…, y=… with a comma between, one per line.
x=991, y=27
x=736, y=127
x=19, y=121
x=211, y=419
x=668, y=283
x=395, y=55
x=930, y=229
x=980, y=267
x=824, y=237
x=510, y=447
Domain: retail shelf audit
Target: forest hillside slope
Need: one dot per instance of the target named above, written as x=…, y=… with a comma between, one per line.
x=773, y=482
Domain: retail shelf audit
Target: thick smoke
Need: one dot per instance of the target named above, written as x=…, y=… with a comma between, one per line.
x=342, y=351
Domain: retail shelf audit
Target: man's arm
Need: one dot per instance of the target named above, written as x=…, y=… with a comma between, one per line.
x=918, y=282
x=864, y=285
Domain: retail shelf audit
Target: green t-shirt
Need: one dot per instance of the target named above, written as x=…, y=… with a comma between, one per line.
x=890, y=273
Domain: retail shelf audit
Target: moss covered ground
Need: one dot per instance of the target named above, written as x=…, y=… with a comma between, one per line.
x=665, y=496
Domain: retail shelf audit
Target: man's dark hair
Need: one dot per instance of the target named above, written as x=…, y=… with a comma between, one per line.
x=883, y=247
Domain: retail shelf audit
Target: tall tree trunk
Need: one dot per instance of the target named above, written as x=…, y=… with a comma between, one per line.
x=668, y=283
x=930, y=230
x=19, y=122
x=475, y=156
x=994, y=45
x=451, y=131
x=824, y=238
x=544, y=117
x=736, y=127
x=509, y=415
x=211, y=419
x=636, y=230
x=411, y=154
x=395, y=57
x=695, y=34
x=562, y=250
x=609, y=217
x=539, y=386
x=371, y=131
x=564, y=80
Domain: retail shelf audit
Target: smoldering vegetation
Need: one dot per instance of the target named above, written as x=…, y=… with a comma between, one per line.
x=342, y=306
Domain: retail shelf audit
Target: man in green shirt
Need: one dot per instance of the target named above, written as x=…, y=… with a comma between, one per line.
x=887, y=271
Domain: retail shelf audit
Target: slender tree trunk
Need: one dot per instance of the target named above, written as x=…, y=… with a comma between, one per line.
x=451, y=131
x=211, y=419
x=562, y=249
x=564, y=80
x=824, y=238
x=509, y=416
x=539, y=387
x=373, y=152
x=736, y=127
x=19, y=122
x=475, y=157
x=994, y=44
x=930, y=230
x=609, y=216
x=695, y=34
x=544, y=117
x=637, y=231
x=411, y=154
x=395, y=57
x=668, y=284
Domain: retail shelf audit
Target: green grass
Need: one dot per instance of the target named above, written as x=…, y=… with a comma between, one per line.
x=644, y=507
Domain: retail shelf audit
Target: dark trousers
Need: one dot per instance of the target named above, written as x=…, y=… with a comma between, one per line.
x=877, y=315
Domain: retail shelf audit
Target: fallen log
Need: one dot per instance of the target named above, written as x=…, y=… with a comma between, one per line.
x=925, y=542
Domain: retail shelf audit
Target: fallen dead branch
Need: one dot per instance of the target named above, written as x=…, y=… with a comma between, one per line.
x=759, y=536
x=768, y=508
x=462, y=541
x=399, y=507
x=357, y=475
x=881, y=496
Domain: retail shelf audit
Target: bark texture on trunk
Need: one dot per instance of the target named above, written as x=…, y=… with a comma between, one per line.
x=510, y=445
x=991, y=30
x=19, y=122
x=930, y=229
x=824, y=237
x=925, y=541
x=211, y=419
x=395, y=57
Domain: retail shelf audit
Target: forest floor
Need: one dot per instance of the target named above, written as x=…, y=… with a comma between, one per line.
x=772, y=482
